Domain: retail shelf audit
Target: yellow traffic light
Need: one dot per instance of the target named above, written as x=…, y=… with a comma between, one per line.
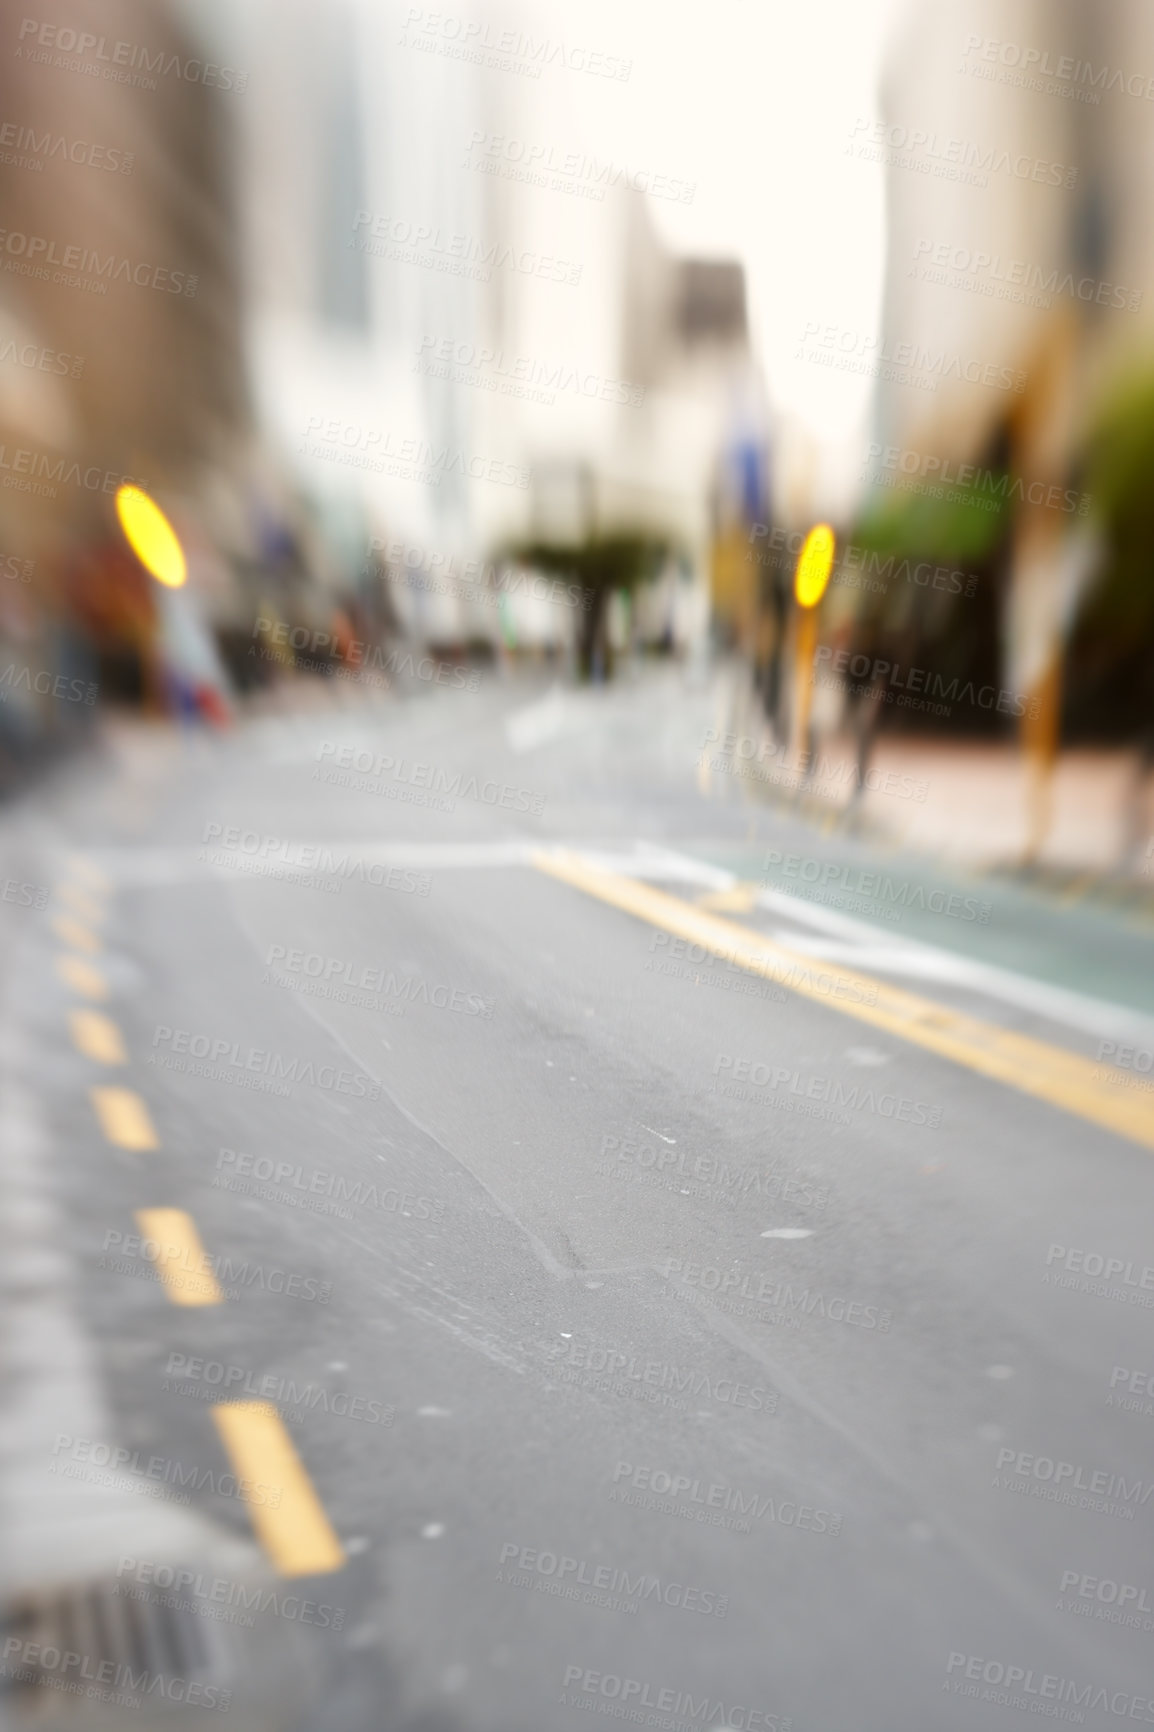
x=814, y=564
x=151, y=536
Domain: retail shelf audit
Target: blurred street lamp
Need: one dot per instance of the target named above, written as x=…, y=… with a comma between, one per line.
x=182, y=660
x=154, y=542
x=151, y=536
x=814, y=564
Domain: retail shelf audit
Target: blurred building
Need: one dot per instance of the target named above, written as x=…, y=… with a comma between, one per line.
x=447, y=348
x=1019, y=152
x=120, y=340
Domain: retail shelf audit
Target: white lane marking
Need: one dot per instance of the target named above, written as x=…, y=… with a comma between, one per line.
x=866, y=1055
x=197, y=860
x=145, y=866
x=825, y=919
x=654, y=1133
x=920, y=960
x=934, y=965
x=652, y=861
x=648, y=861
x=788, y=1233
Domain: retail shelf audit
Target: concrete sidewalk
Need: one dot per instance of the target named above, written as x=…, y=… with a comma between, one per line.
x=976, y=804
x=963, y=802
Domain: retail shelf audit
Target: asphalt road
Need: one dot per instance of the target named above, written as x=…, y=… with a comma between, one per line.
x=655, y=1342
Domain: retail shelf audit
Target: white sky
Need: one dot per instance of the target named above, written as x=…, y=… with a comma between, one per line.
x=755, y=100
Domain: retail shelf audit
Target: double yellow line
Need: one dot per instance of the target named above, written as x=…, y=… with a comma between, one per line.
x=1103, y=1095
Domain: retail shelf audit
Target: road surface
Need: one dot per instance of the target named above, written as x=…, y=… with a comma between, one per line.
x=458, y=1283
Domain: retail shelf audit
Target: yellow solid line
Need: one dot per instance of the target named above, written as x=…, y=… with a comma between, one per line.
x=97, y=1037
x=81, y=977
x=124, y=1119
x=71, y=932
x=1064, y=1079
x=739, y=900
x=173, y=1243
x=294, y=1530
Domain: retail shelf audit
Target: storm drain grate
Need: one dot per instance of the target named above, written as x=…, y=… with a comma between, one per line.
x=106, y=1640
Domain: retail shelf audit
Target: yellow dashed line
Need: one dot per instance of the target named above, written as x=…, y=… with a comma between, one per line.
x=81, y=977
x=291, y=1523
x=70, y=931
x=97, y=1037
x=124, y=1119
x=81, y=903
x=92, y=875
x=1062, y=1078
x=294, y=1531
x=173, y=1243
